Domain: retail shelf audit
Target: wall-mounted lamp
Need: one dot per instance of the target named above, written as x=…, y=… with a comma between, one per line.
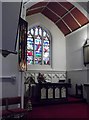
x=86, y=52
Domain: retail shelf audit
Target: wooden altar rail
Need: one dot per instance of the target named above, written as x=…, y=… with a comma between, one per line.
x=48, y=92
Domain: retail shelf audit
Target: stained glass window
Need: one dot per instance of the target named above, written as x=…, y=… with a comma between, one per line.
x=38, y=46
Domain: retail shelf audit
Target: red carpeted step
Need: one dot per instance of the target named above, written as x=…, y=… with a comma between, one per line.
x=74, y=99
x=69, y=100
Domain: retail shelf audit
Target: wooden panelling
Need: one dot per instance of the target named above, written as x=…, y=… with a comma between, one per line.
x=69, y=20
x=50, y=15
x=63, y=27
x=79, y=16
x=57, y=8
x=67, y=5
x=31, y=12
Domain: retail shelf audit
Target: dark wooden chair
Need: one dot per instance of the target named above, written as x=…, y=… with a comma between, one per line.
x=79, y=90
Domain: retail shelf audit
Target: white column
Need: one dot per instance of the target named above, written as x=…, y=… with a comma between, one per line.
x=88, y=38
x=0, y=54
x=22, y=89
x=1, y=49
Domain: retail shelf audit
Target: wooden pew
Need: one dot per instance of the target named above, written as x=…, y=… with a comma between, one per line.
x=12, y=112
x=4, y=113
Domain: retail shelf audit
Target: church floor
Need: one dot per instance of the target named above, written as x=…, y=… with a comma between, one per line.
x=60, y=111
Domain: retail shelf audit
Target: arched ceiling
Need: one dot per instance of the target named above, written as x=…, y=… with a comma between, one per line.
x=65, y=15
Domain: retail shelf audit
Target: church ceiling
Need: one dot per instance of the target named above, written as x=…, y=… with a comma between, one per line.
x=65, y=15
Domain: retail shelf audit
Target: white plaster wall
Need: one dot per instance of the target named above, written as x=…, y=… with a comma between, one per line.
x=74, y=49
x=10, y=69
x=74, y=58
x=58, y=42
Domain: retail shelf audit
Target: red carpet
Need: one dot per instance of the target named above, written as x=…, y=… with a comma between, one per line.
x=76, y=110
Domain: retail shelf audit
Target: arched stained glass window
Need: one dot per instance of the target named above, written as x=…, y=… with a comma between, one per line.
x=38, y=46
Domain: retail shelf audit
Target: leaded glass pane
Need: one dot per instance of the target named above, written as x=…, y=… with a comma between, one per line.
x=38, y=51
x=47, y=35
x=30, y=50
x=40, y=31
x=44, y=33
x=36, y=31
x=46, y=38
x=38, y=37
x=28, y=32
x=46, y=52
x=29, y=35
x=30, y=44
x=32, y=31
x=30, y=57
